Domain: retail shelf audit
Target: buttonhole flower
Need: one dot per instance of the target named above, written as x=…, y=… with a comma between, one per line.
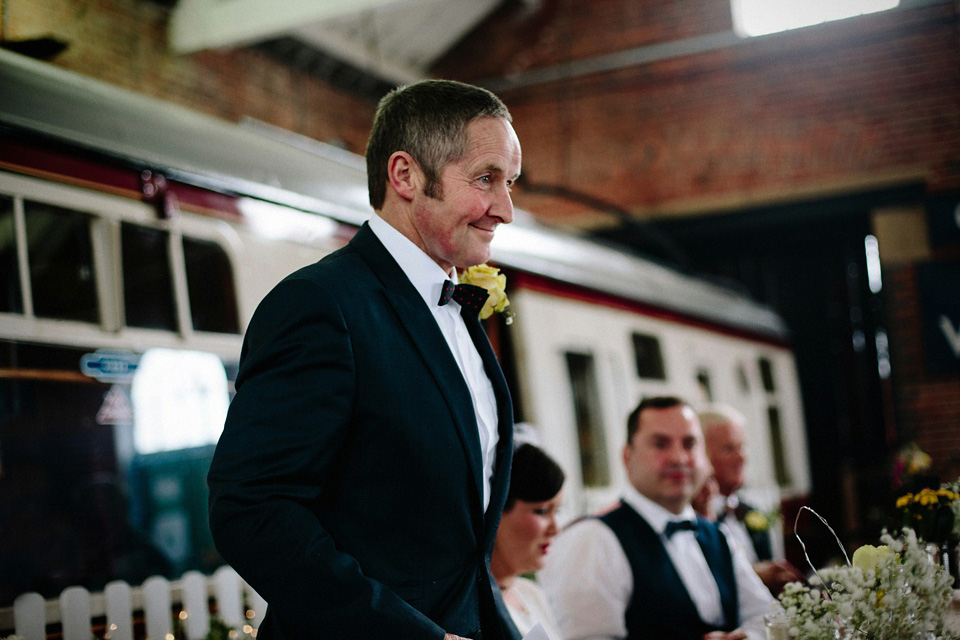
x=490, y=278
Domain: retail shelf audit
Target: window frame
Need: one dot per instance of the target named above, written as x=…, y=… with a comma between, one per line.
x=107, y=213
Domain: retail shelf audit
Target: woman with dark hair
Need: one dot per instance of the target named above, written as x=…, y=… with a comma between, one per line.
x=528, y=525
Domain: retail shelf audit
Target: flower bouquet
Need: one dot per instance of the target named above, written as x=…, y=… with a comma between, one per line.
x=929, y=512
x=954, y=506
x=891, y=592
x=909, y=462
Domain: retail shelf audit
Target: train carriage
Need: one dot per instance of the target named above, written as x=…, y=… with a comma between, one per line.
x=136, y=239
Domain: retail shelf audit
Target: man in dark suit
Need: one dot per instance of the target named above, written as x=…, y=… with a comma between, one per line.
x=724, y=434
x=651, y=568
x=364, y=463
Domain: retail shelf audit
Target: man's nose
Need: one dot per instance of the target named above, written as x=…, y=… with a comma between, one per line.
x=677, y=453
x=502, y=207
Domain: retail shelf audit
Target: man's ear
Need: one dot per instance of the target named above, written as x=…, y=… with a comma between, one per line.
x=404, y=175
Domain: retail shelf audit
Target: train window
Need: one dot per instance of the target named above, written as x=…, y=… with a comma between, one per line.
x=742, y=381
x=646, y=350
x=776, y=442
x=703, y=385
x=213, y=303
x=11, y=296
x=148, y=295
x=586, y=408
x=179, y=400
x=60, y=252
x=766, y=374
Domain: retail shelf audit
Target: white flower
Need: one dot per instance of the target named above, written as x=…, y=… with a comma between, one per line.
x=882, y=596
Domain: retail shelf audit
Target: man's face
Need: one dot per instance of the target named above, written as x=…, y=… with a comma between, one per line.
x=457, y=228
x=725, y=450
x=665, y=459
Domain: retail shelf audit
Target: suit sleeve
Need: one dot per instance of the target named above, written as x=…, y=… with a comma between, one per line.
x=290, y=415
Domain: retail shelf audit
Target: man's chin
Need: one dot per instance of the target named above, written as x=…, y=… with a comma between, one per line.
x=474, y=258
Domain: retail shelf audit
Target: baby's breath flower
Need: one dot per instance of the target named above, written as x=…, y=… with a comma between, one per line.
x=899, y=596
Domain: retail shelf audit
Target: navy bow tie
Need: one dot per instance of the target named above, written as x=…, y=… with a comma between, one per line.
x=682, y=525
x=471, y=298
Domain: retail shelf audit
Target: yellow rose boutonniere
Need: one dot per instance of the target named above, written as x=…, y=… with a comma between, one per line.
x=760, y=521
x=756, y=521
x=490, y=278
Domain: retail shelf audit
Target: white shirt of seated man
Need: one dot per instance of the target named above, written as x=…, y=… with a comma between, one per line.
x=589, y=581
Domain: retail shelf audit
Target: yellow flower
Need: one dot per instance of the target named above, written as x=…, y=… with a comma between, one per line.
x=917, y=461
x=756, y=521
x=869, y=557
x=495, y=283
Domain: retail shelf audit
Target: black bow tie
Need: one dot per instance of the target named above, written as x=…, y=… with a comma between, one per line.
x=739, y=512
x=682, y=525
x=471, y=298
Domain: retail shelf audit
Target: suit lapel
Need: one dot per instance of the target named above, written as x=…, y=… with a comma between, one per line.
x=425, y=334
x=501, y=472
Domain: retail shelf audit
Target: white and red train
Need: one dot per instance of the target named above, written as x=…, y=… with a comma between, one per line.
x=136, y=239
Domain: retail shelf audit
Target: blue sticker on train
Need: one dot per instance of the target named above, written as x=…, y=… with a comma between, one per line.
x=110, y=366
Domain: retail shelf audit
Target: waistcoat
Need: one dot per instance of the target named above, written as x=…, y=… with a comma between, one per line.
x=660, y=607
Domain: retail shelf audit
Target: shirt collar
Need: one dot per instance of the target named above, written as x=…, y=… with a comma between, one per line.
x=722, y=503
x=655, y=515
x=426, y=275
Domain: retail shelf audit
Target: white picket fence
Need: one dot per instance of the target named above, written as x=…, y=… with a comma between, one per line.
x=159, y=599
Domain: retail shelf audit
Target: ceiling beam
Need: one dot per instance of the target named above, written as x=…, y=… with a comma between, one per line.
x=209, y=24
x=353, y=51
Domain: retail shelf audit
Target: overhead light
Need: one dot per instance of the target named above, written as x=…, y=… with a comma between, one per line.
x=761, y=17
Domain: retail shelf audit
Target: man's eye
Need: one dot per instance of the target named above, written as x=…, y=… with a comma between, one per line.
x=485, y=179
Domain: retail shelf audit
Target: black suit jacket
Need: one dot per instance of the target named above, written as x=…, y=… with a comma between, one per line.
x=760, y=539
x=346, y=487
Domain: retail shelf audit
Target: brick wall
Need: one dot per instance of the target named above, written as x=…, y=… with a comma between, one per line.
x=927, y=404
x=863, y=101
x=123, y=42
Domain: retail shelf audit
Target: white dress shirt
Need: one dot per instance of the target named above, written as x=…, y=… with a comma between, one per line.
x=427, y=278
x=589, y=582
